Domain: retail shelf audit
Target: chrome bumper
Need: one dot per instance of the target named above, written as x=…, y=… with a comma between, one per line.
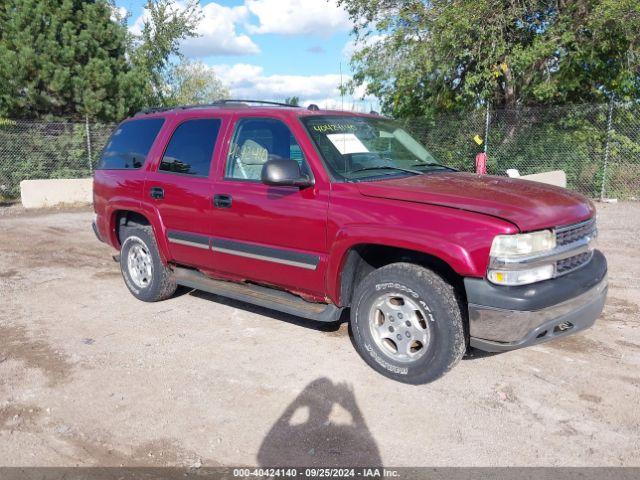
x=496, y=329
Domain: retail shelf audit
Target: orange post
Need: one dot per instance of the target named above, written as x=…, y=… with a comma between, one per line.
x=481, y=163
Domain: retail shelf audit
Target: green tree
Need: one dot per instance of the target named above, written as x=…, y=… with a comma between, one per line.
x=157, y=49
x=293, y=101
x=73, y=59
x=421, y=57
x=193, y=83
x=64, y=59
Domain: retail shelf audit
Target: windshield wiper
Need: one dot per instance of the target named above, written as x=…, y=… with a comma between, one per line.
x=433, y=165
x=387, y=167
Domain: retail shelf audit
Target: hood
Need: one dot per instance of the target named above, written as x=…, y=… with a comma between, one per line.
x=529, y=205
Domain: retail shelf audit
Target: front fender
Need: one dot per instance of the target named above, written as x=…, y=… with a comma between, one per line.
x=457, y=257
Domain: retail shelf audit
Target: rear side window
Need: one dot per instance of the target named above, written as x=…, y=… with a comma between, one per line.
x=191, y=147
x=129, y=144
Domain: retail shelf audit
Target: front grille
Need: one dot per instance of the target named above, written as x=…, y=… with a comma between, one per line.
x=570, y=234
x=567, y=265
x=575, y=232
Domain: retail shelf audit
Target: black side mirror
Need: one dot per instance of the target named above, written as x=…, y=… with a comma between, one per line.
x=284, y=172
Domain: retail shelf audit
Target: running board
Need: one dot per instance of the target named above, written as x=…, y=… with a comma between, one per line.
x=257, y=295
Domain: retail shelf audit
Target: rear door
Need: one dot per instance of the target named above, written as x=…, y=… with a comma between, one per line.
x=181, y=190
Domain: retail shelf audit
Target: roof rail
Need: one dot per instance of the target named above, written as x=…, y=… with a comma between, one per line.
x=154, y=110
x=217, y=103
x=264, y=102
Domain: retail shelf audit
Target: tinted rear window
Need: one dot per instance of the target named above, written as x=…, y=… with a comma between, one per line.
x=191, y=148
x=129, y=144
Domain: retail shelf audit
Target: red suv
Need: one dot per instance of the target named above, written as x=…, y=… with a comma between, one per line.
x=311, y=212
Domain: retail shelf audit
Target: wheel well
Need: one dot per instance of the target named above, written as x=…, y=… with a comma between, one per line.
x=363, y=259
x=126, y=218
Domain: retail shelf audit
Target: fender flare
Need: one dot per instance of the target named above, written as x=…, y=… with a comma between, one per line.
x=148, y=211
x=454, y=255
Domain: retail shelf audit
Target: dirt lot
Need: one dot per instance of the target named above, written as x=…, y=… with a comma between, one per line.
x=90, y=376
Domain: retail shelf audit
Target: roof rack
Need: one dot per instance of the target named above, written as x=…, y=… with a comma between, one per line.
x=154, y=110
x=217, y=103
x=263, y=102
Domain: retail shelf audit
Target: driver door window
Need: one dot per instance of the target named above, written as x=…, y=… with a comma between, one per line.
x=257, y=140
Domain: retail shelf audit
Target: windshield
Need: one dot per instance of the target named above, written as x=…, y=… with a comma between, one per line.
x=357, y=148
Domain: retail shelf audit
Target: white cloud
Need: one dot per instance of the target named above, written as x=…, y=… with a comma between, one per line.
x=351, y=46
x=218, y=34
x=118, y=14
x=291, y=17
x=249, y=81
x=216, y=30
x=349, y=49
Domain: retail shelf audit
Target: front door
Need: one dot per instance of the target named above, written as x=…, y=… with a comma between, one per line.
x=267, y=234
x=181, y=190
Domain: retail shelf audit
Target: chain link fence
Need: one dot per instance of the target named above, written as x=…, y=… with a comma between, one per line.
x=43, y=150
x=598, y=146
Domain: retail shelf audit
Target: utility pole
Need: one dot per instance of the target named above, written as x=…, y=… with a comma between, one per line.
x=486, y=130
x=606, y=149
x=88, y=134
x=341, y=89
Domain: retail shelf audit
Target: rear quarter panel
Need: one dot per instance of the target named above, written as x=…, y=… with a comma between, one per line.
x=115, y=190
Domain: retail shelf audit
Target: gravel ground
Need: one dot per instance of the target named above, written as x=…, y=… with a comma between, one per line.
x=90, y=376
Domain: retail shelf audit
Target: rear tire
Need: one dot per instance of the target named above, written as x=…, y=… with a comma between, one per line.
x=146, y=277
x=407, y=323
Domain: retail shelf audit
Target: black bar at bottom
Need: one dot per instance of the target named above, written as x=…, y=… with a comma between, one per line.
x=440, y=473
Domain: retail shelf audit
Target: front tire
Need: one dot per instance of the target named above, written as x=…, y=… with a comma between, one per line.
x=407, y=323
x=146, y=277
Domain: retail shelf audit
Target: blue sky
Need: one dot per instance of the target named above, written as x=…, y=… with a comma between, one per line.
x=272, y=49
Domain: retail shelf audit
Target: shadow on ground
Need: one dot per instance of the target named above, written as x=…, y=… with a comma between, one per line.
x=471, y=354
x=475, y=354
x=266, y=312
x=324, y=427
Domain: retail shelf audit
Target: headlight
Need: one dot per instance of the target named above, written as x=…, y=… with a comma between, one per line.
x=509, y=255
x=505, y=246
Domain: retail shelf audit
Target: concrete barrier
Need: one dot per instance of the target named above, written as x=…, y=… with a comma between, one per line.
x=554, y=177
x=51, y=193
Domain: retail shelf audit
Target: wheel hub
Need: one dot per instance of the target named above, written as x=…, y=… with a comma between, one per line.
x=399, y=327
x=140, y=265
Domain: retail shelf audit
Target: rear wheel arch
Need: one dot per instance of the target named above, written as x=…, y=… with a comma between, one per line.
x=127, y=218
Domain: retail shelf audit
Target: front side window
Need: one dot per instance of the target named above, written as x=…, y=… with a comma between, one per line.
x=257, y=140
x=359, y=148
x=191, y=147
x=129, y=145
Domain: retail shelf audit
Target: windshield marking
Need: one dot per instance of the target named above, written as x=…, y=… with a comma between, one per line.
x=354, y=148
